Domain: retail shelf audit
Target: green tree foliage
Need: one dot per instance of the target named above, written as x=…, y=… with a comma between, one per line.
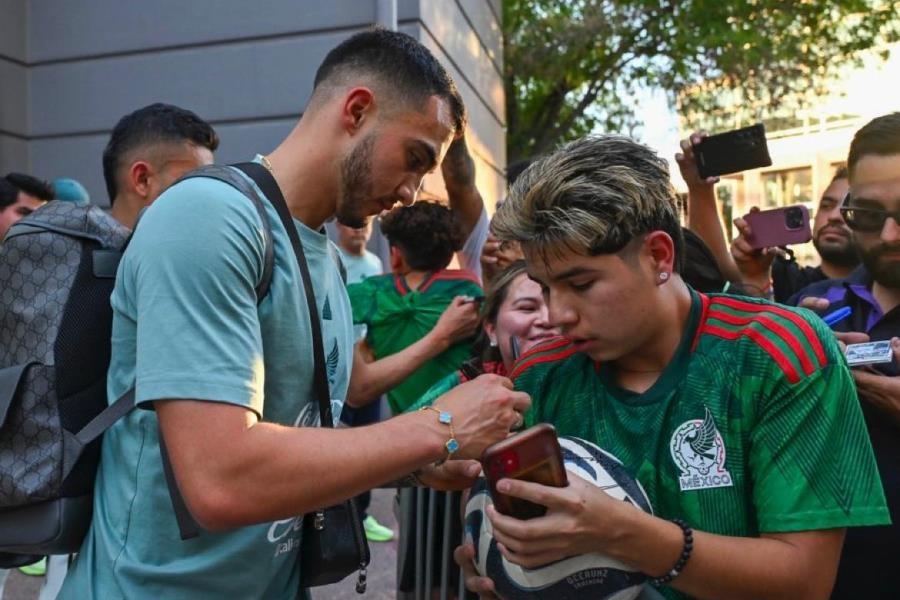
x=572, y=65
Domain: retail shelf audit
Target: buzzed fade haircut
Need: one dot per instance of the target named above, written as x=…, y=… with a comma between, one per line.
x=154, y=124
x=399, y=61
x=880, y=136
x=592, y=196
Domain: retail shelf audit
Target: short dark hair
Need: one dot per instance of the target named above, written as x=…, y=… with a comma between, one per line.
x=32, y=185
x=406, y=66
x=427, y=233
x=153, y=124
x=840, y=172
x=8, y=193
x=880, y=136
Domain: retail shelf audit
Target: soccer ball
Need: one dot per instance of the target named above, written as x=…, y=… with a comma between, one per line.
x=593, y=576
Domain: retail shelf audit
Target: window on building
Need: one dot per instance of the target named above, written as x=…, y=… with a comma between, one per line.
x=783, y=188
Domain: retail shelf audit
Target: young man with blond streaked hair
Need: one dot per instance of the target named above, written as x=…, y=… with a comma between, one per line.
x=739, y=417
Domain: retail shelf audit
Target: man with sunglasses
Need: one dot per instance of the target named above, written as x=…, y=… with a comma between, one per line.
x=872, y=292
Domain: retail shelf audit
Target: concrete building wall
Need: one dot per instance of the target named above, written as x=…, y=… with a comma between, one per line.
x=13, y=86
x=69, y=71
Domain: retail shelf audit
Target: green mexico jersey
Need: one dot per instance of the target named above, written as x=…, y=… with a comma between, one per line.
x=396, y=317
x=753, y=427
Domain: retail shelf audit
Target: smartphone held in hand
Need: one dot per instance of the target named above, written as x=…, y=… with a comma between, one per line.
x=732, y=151
x=532, y=455
x=779, y=227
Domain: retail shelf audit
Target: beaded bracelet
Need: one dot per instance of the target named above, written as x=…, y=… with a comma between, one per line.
x=682, y=559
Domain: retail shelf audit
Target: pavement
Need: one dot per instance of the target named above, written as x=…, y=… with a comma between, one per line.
x=382, y=574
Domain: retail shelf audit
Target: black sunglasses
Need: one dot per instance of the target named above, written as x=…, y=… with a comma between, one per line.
x=867, y=220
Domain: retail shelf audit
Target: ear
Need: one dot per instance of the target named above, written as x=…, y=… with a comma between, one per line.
x=139, y=177
x=358, y=108
x=660, y=248
x=490, y=330
x=398, y=263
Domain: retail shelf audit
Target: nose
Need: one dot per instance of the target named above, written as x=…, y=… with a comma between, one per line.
x=890, y=232
x=409, y=190
x=542, y=319
x=835, y=216
x=559, y=314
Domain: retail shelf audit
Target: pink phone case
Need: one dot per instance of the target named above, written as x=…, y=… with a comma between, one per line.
x=779, y=226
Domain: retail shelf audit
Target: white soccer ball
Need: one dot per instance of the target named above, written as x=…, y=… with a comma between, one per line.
x=593, y=576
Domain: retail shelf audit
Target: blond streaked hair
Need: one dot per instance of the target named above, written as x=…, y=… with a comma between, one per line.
x=592, y=196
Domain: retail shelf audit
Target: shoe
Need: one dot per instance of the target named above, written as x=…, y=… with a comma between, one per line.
x=375, y=531
x=37, y=569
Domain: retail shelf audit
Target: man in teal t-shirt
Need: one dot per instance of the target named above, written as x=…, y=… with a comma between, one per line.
x=225, y=378
x=218, y=326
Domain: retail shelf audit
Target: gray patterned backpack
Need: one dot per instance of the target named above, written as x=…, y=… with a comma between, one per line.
x=57, y=271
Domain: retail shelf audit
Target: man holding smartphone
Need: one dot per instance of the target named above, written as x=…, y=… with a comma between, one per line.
x=872, y=294
x=773, y=271
x=738, y=417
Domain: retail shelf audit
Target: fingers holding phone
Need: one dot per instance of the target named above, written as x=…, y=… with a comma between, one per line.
x=687, y=162
x=778, y=227
x=581, y=518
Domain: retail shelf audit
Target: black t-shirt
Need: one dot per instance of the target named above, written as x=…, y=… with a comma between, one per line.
x=870, y=562
x=788, y=278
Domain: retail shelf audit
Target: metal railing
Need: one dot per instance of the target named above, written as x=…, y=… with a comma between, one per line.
x=419, y=512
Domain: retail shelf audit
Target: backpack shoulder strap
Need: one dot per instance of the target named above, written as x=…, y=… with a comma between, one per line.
x=231, y=176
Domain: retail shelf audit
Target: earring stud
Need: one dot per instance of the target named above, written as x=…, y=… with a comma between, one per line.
x=663, y=276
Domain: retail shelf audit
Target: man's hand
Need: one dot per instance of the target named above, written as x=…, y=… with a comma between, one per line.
x=754, y=264
x=465, y=556
x=687, y=164
x=814, y=303
x=483, y=410
x=452, y=475
x=459, y=321
x=881, y=391
x=497, y=255
x=850, y=337
x=458, y=170
x=581, y=518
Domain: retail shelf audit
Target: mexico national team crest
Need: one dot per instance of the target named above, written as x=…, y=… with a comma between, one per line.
x=698, y=450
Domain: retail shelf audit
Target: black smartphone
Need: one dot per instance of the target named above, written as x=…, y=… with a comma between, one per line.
x=733, y=151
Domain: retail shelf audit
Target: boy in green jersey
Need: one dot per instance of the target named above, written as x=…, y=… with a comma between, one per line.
x=402, y=307
x=739, y=417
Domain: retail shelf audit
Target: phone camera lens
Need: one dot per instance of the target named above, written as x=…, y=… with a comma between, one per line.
x=793, y=218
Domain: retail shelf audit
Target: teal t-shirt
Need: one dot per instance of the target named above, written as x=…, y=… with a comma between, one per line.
x=360, y=267
x=186, y=325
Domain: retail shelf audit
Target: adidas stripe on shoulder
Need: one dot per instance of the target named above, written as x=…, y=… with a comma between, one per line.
x=783, y=333
x=553, y=350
